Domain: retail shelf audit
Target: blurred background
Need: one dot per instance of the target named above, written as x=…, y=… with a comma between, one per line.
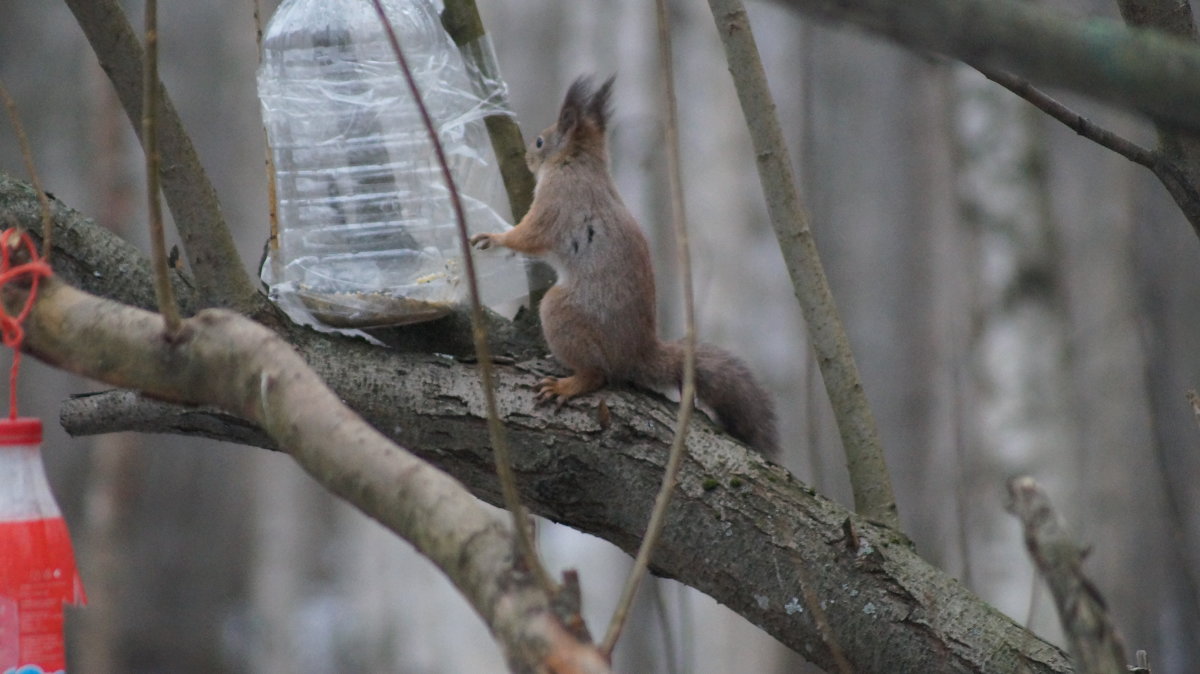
x=1019, y=301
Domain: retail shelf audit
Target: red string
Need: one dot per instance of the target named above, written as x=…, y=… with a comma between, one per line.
x=10, y=326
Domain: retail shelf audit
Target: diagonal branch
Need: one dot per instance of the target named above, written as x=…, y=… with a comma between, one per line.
x=869, y=476
x=220, y=277
x=1143, y=70
x=1094, y=641
x=265, y=381
x=1172, y=171
x=1073, y=120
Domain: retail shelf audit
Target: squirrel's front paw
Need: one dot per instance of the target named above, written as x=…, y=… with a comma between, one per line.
x=482, y=241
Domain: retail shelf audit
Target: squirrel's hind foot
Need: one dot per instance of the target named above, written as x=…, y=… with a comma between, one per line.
x=559, y=391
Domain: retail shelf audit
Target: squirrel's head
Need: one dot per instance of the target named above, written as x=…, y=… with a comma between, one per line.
x=580, y=127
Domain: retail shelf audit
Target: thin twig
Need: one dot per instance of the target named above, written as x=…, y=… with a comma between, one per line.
x=27, y=156
x=1075, y=121
x=272, y=190
x=508, y=481
x=869, y=476
x=158, y=245
x=658, y=516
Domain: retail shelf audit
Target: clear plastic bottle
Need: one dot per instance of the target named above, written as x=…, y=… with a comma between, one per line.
x=37, y=565
x=367, y=235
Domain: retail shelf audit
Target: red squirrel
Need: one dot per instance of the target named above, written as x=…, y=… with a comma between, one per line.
x=599, y=318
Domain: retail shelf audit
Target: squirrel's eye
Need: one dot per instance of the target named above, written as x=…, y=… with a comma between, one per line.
x=539, y=142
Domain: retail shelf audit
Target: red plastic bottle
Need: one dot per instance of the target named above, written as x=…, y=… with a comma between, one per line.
x=37, y=565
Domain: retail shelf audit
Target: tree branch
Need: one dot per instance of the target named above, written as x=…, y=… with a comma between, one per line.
x=220, y=278
x=1094, y=641
x=89, y=256
x=1142, y=70
x=265, y=381
x=14, y=118
x=1073, y=120
x=869, y=477
x=1172, y=172
x=744, y=532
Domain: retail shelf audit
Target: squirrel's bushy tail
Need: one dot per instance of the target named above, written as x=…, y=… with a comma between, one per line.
x=725, y=384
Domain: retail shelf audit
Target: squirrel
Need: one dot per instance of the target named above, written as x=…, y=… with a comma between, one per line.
x=599, y=318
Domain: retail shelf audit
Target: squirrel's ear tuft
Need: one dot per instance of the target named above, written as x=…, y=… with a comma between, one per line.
x=583, y=103
x=575, y=104
x=600, y=105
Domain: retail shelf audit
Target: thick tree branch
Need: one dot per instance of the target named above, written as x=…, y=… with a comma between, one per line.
x=739, y=529
x=265, y=381
x=220, y=278
x=89, y=256
x=1142, y=70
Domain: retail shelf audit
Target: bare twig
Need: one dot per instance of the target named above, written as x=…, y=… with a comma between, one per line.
x=658, y=516
x=864, y=455
x=1169, y=173
x=269, y=163
x=508, y=480
x=1076, y=122
x=1093, y=639
x=212, y=255
x=158, y=245
x=27, y=156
